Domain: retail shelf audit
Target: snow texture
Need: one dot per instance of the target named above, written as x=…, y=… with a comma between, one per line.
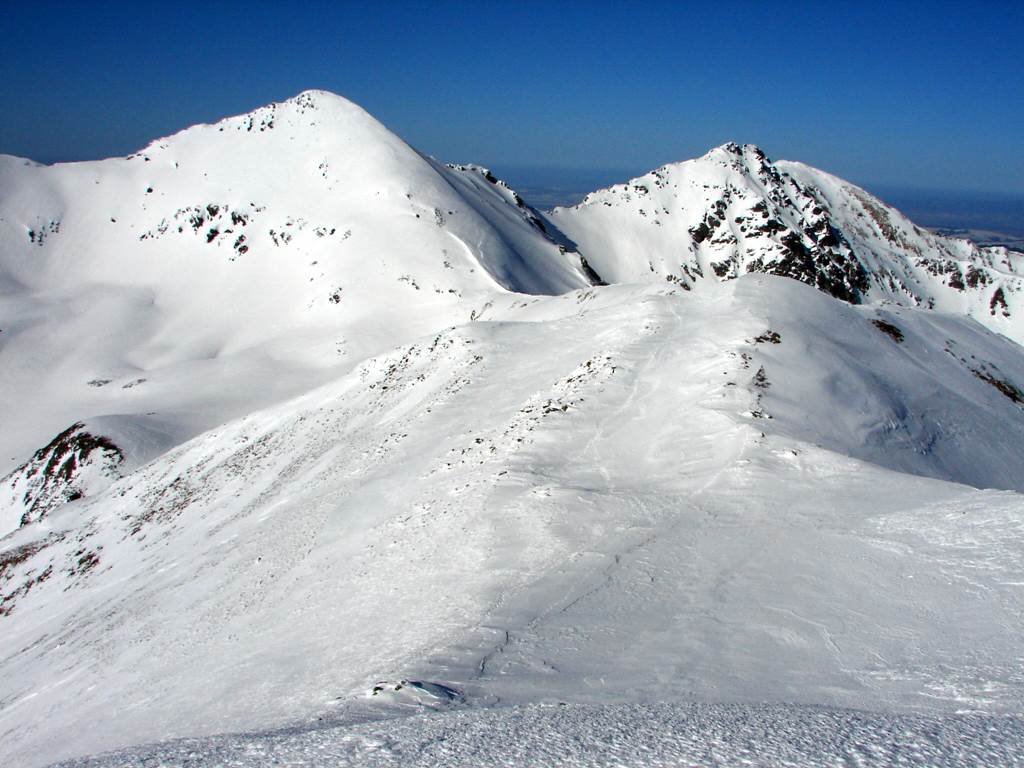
x=307, y=434
x=734, y=211
x=614, y=735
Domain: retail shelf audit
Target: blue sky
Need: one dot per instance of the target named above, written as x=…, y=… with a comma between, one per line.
x=915, y=95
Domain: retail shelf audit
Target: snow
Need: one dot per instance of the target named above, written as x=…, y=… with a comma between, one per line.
x=354, y=242
x=427, y=466
x=735, y=211
x=610, y=524
x=613, y=735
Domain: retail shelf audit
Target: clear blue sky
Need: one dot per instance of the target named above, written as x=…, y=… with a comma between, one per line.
x=926, y=95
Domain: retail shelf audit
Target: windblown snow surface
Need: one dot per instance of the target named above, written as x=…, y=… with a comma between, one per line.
x=479, y=510
x=612, y=735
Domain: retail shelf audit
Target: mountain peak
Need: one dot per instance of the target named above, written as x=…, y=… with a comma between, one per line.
x=310, y=109
x=318, y=94
x=313, y=99
x=748, y=154
x=734, y=210
x=313, y=107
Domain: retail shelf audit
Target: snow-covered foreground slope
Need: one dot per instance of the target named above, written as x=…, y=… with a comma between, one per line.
x=734, y=211
x=613, y=735
x=623, y=494
x=234, y=265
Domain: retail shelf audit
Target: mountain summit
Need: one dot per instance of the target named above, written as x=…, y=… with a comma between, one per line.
x=304, y=432
x=734, y=211
x=299, y=238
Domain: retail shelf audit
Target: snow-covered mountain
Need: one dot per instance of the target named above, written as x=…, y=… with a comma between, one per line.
x=305, y=428
x=233, y=265
x=734, y=211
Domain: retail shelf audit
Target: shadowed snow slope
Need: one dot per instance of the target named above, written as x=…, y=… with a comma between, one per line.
x=622, y=494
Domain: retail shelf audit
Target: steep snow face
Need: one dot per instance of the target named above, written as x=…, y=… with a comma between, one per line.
x=234, y=264
x=608, y=496
x=735, y=211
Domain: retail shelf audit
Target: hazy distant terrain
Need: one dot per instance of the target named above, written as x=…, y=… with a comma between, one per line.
x=550, y=187
x=987, y=219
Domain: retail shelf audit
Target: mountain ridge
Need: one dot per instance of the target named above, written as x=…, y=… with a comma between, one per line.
x=530, y=489
x=733, y=211
x=307, y=427
x=224, y=240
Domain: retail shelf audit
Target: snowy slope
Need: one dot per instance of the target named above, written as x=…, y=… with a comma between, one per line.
x=615, y=736
x=302, y=429
x=234, y=265
x=643, y=516
x=734, y=211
